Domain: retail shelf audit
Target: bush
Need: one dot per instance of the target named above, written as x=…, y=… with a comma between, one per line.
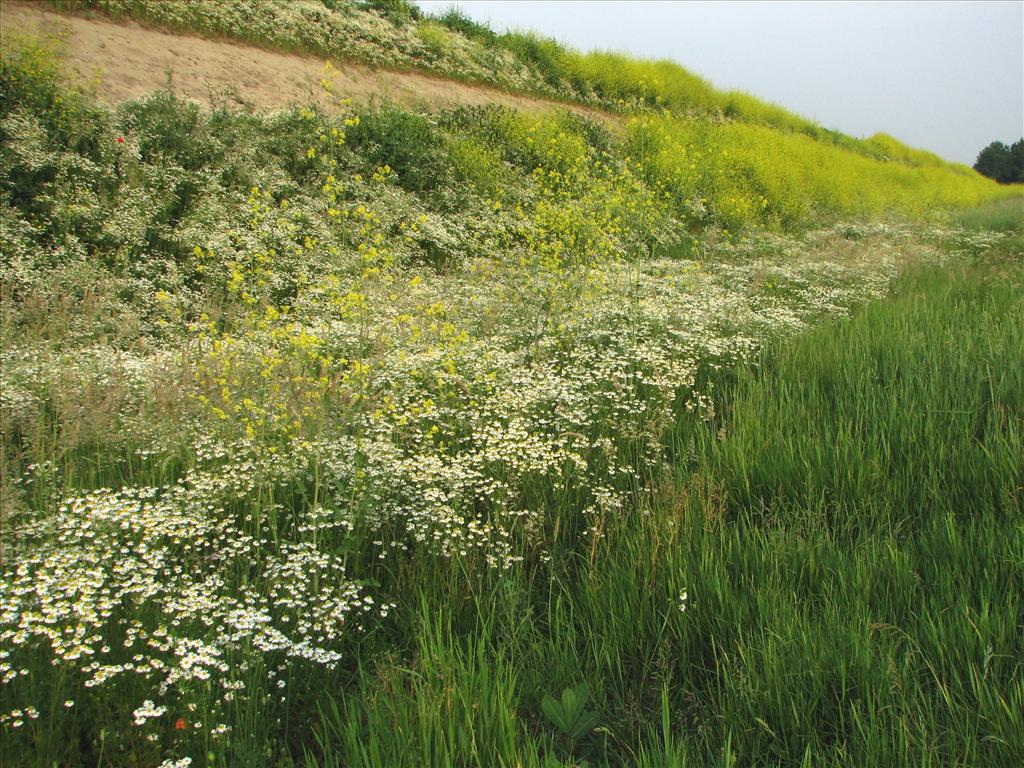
x=475, y=162
x=398, y=12
x=434, y=37
x=407, y=142
x=457, y=21
x=545, y=53
x=169, y=129
x=30, y=79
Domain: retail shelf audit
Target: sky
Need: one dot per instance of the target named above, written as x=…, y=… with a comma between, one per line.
x=943, y=76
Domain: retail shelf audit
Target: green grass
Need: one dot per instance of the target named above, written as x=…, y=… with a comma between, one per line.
x=851, y=554
x=999, y=216
x=884, y=455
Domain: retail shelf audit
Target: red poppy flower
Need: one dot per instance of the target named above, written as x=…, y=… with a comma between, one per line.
x=120, y=139
x=180, y=724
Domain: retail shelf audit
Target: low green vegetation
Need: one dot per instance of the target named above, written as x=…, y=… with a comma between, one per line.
x=832, y=577
x=1000, y=216
x=372, y=438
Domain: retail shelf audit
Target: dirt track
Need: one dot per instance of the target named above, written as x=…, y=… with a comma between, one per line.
x=126, y=60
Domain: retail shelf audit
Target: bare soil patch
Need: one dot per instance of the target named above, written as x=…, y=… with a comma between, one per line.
x=124, y=61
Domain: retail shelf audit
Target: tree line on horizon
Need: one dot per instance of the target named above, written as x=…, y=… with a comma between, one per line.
x=1001, y=162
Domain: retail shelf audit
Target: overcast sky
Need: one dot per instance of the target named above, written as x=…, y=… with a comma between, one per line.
x=945, y=76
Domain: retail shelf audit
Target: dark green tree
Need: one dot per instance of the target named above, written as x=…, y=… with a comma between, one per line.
x=1003, y=163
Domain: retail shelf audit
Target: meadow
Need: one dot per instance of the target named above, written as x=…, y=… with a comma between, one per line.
x=367, y=437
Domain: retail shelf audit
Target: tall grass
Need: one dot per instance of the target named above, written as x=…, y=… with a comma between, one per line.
x=999, y=216
x=832, y=578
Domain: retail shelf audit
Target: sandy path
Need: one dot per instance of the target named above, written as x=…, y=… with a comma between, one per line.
x=126, y=61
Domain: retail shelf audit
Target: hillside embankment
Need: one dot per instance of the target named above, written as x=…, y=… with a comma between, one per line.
x=122, y=60
x=358, y=437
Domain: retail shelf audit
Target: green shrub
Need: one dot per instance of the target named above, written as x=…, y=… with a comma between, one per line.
x=477, y=163
x=434, y=37
x=398, y=12
x=457, y=21
x=170, y=130
x=30, y=79
x=407, y=142
x=545, y=53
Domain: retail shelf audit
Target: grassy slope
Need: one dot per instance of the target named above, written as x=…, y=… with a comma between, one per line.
x=849, y=553
x=740, y=159
x=847, y=556
x=395, y=33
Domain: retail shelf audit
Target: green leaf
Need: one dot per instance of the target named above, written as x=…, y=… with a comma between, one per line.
x=569, y=705
x=553, y=710
x=585, y=724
